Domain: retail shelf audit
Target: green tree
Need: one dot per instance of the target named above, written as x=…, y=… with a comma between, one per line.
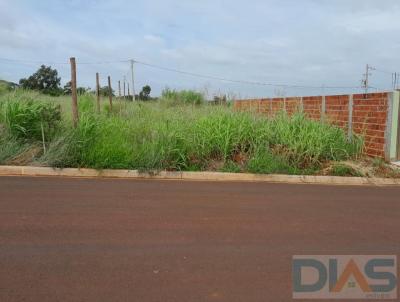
x=80, y=90
x=45, y=80
x=67, y=88
x=144, y=95
x=104, y=91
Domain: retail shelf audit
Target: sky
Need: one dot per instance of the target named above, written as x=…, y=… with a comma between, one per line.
x=319, y=44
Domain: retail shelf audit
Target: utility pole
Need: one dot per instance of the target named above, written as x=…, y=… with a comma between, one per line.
x=365, y=81
x=128, y=92
x=124, y=86
x=119, y=88
x=133, y=81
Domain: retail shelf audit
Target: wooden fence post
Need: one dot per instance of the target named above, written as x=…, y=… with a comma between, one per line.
x=98, y=92
x=110, y=92
x=75, y=115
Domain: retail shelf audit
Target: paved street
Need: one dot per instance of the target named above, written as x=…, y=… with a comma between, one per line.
x=131, y=240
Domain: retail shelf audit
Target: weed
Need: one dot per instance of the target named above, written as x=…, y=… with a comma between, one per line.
x=263, y=161
x=30, y=120
x=174, y=97
x=9, y=148
x=173, y=135
x=232, y=167
x=344, y=170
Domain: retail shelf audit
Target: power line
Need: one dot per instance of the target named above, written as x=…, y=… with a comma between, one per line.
x=103, y=62
x=33, y=62
x=394, y=75
x=240, y=81
x=382, y=71
x=198, y=75
x=61, y=63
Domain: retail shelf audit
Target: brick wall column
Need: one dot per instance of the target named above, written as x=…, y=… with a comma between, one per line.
x=350, y=122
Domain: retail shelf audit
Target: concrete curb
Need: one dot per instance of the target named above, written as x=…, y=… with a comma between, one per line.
x=199, y=176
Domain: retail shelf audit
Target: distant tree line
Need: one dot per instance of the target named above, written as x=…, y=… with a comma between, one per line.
x=46, y=80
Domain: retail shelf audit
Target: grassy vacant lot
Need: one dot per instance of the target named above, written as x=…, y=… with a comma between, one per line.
x=177, y=132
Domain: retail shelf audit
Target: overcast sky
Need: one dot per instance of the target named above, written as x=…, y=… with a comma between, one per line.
x=307, y=42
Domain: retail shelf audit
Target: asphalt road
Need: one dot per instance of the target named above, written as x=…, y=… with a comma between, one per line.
x=129, y=240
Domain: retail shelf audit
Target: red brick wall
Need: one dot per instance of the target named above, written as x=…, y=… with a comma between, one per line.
x=337, y=110
x=369, y=114
x=369, y=118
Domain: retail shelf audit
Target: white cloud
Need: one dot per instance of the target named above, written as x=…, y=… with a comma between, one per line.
x=372, y=22
x=311, y=42
x=153, y=39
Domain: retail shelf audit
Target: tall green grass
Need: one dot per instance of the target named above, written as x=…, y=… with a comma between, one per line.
x=174, y=97
x=161, y=135
x=31, y=119
x=10, y=147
